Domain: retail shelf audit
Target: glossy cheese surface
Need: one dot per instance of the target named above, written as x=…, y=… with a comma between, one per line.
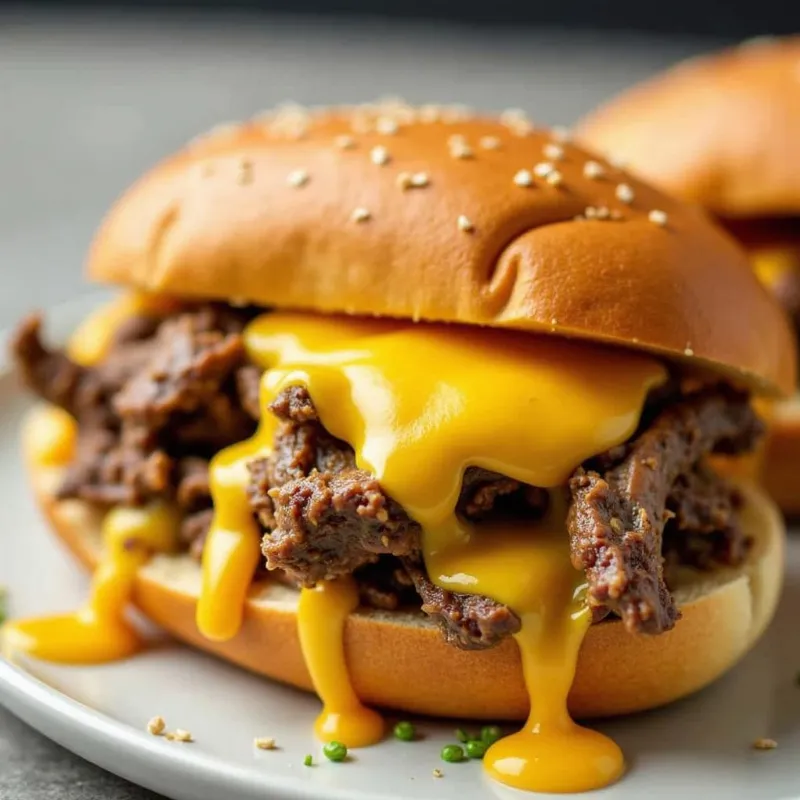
x=419, y=404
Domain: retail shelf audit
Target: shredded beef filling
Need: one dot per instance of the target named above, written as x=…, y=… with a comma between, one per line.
x=617, y=518
x=170, y=393
x=173, y=391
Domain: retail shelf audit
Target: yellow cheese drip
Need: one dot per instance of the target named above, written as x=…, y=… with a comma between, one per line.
x=530, y=571
x=99, y=631
x=419, y=404
x=322, y=616
x=774, y=264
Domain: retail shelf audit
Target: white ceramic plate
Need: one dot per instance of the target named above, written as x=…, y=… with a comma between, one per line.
x=698, y=748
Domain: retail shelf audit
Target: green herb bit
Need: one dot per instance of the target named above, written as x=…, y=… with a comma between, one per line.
x=405, y=731
x=462, y=735
x=3, y=604
x=452, y=753
x=475, y=748
x=490, y=734
x=335, y=751
x=308, y=761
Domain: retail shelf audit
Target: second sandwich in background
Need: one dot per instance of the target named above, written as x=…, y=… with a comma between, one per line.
x=724, y=131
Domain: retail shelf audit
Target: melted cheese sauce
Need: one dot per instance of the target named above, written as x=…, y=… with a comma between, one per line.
x=773, y=265
x=419, y=404
x=322, y=615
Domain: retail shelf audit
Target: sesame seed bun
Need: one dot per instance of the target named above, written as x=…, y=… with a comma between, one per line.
x=722, y=130
x=433, y=214
x=399, y=660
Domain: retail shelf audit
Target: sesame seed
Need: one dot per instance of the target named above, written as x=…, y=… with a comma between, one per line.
x=420, y=180
x=554, y=178
x=297, y=178
x=489, y=143
x=590, y=212
x=553, y=151
x=264, y=742
x=379, y=156
x=156, y=726
x=687, y=351
x=244, y=172
x=554, y=322
x=765, y=744
x=624, y=193
x=521, y=128
x=523, y=178
x=386, y=126
x=543, y=169
x=658, y=217
x=593, y=170
x=617, y=161
x=456, y=140
x=437, y=773
x=603, y=212
x=461, y=150
x=465, y=224
x=360, y=215
x=561, y=133
x=345, y=142
x=179, y=735
x=405, y=180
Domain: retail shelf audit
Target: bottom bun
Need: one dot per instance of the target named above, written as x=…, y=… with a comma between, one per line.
x=399, y=660
x=781, y=466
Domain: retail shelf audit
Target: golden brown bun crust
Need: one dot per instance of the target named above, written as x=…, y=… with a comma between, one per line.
x=780, y=474
x=222, y=219
x=723, y=130
x=399, y=660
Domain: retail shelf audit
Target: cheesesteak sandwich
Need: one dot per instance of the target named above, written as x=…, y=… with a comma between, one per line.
x=724, y=131
x=418, y=410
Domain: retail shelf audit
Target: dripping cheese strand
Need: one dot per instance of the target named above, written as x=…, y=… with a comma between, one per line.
x=99, y=631
x=321, y=616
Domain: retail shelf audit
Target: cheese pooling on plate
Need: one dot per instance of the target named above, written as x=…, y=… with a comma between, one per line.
x=418, y=406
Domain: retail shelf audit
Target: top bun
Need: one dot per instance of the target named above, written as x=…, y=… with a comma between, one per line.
x=433, y=214
x=722, y=130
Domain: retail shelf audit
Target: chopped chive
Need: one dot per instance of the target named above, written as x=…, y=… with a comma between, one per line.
x=335, y=751
x=308, y=761
x=475, y=748
x=452, y=753
x=405, y=731
x=490, y=734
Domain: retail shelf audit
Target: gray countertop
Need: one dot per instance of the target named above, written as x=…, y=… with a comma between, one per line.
x=88, y=102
